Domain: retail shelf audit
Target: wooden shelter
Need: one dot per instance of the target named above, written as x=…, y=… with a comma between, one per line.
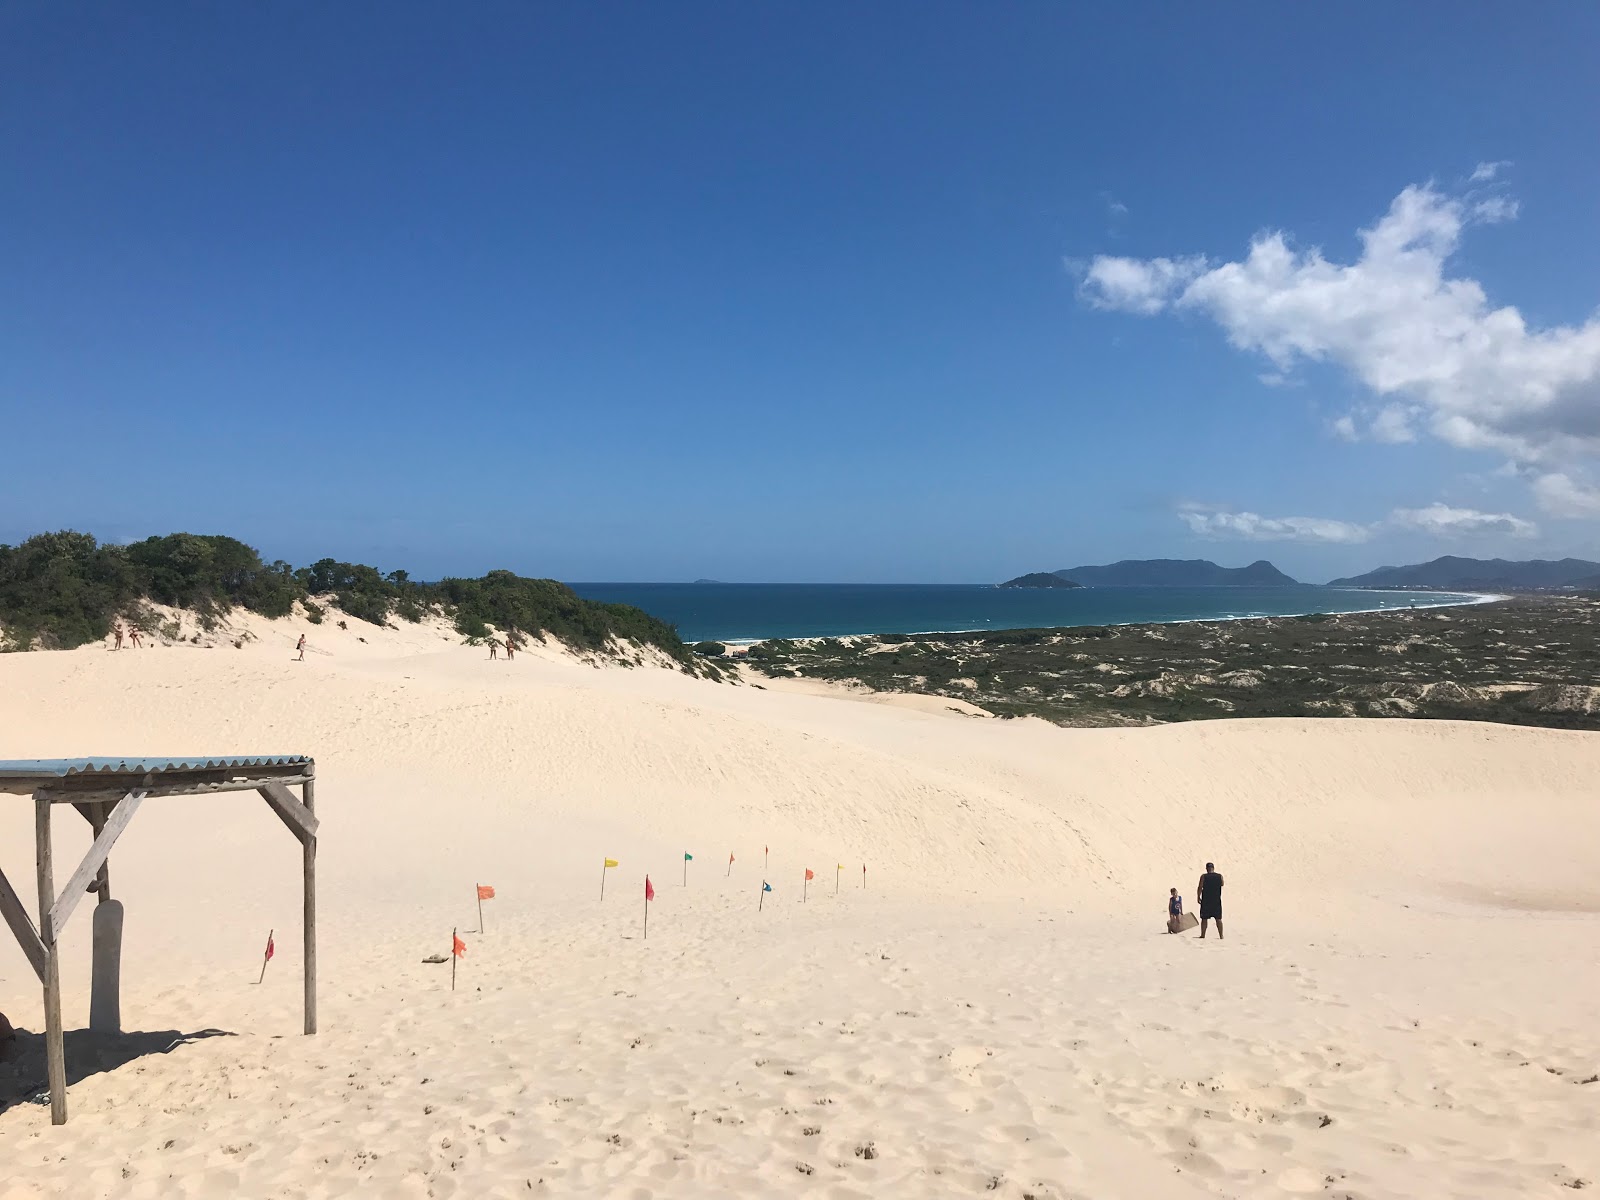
x=107, y=792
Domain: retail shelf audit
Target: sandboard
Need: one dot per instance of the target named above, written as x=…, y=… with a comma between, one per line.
x=105, y=987
x=1187, y=921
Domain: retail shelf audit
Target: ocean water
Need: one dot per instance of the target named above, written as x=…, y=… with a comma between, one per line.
x=742, y=612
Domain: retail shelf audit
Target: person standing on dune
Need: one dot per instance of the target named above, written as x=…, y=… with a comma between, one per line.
x=301, y=646
x=1209, y=897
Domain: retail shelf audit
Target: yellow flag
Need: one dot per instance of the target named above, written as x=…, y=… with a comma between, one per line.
x=841, y=866
x=611, y=862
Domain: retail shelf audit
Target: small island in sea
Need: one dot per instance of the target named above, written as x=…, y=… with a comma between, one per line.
x=1038, y=579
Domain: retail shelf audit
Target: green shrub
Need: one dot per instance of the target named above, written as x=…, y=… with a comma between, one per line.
x=710, y=649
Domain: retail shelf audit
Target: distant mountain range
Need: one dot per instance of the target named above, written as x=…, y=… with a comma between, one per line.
x=1039, y=579
x=1482, y=574
x=1175, y=572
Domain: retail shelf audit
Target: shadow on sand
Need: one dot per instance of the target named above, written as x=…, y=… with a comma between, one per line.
x=23, y=1075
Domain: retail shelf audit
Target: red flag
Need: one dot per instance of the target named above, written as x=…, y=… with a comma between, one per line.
x=649, y=891
x=485, y=892
x=730, y=856
x=810, y=874
x=459, y=949
x=269, y=948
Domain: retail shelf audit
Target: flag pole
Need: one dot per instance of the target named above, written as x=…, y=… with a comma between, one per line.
x=730, y=865
x=765, y=850
x=646, y=907
x=603, y=879
x=453, y=957
x=805, y=885
x=479, y=886
x=686, y=869
x=863, y=877
x=763, y=894
x=837, y=871
x=265, y=957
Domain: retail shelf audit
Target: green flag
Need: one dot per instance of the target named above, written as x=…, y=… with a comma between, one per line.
x=687, y=857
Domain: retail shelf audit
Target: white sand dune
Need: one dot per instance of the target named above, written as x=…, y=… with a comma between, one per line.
x=1404, y=1006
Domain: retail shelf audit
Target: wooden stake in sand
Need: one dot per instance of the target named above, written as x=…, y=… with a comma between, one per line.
x=457, y=949
x=609, y=863
x=485, y=892
x=863, y=877
x=649, y=895
x=810, y=875
x=267, y=957
x=837, y=871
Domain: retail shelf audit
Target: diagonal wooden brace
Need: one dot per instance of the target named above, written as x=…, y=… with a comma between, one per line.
x=116, y=822
x=22, y=925
x=295, y=815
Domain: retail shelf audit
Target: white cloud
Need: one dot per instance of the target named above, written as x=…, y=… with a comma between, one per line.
x=1560, y=495
x=1439, y=358
x=1444, y=521
x=1486, y=171
x=1252, y=527
x=1141, y=286
x=1439, y=520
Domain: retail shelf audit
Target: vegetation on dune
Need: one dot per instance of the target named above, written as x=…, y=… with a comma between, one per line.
x=59, y=590
x=1528, y=661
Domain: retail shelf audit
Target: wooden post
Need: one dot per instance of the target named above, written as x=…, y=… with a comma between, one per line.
x=54, y=1045
x=309, y=919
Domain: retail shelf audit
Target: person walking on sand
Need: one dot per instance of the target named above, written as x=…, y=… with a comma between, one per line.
x=133, y=636
x=116, y=632
x=494, y=650
x=301, y=647
x=1209, y=897
x=1174, y=911
x=511, y=645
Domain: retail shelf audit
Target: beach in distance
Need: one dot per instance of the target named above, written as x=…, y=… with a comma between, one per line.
x=746, y=612
x=973, y=995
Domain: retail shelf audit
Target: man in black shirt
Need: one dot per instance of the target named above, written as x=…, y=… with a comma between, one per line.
x=1209, y=898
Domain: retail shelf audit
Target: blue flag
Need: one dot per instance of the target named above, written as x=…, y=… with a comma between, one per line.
x=766, y=887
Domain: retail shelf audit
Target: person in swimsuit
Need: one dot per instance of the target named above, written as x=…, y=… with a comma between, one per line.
x=1174, y=911
x=1209, y=897
x=301, y=646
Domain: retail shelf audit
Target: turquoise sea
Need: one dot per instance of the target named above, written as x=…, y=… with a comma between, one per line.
x=742, y=612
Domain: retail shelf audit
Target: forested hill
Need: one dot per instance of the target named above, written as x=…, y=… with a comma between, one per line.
x=1466, y=574
x=1175, y=572
x=59, y=590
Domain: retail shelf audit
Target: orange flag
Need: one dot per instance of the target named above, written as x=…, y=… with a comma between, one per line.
x=459, y=949
x=810, y=874
x=485, y=892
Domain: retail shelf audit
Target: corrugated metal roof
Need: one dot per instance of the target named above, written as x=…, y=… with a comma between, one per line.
x=43, y=770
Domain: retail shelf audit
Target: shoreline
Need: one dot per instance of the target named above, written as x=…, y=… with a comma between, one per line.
x=1469, y=599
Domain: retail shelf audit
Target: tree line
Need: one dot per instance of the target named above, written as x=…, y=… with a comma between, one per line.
x=65, y=589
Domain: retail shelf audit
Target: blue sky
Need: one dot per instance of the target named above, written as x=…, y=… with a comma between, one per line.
x=893, y=292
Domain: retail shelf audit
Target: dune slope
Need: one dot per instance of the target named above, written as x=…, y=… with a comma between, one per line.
x=1403, y=1005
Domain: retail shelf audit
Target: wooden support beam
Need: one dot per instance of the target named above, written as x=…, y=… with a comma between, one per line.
x=54, y=1044
x=99, y=814
x=309, y=917
x=80, y=794
x=298, y=817
x=22, y=926
x=90, y=866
